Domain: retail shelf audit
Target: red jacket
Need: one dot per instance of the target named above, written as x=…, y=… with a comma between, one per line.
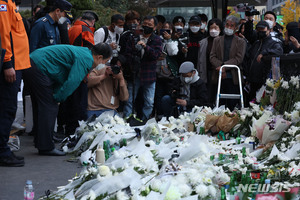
x=81, y=34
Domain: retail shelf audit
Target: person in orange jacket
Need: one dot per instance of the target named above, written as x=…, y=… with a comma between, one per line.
x=82, y=32
x=15, y=42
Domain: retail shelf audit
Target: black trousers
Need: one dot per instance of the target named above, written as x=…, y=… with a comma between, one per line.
x=44, y=107
x=8, y=108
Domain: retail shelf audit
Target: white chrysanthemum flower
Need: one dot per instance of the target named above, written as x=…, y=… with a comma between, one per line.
x=295, y=81
x=122, y=195
x=285, y=85
x=92, y=195
x=292, y=130
x=212, y=191
x=184, y=189
x=156, y=185
x=295, y=116
x=297, y=105
x=65, y=148
x=173, y=194
x=104, y=170
x=202, y=190
x=209, y=174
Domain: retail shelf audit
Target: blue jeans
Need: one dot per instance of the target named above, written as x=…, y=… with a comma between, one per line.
x=99, y=112
x=8, y=108
x=148, y=94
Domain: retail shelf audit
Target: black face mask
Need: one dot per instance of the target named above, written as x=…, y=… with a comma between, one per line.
x=262, y=34
x=147, y=30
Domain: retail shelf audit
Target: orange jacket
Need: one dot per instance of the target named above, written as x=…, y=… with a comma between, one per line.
x=13, y=36
x=81, y=34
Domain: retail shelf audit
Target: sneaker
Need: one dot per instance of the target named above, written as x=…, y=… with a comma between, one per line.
x=16, y=125
x=11, y=161
x=14, y=143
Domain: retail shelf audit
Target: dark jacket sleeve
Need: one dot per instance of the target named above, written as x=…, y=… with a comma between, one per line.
x=63, y=32
x=198, y=95
x=275, y=49
x=249, y=33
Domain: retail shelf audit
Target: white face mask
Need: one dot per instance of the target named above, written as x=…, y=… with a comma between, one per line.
x=195, y=29
x=178, y=28
x=203, y=26
x=270, y=23
x=62, y=20
x=100, y=66
x=188, y=79
x=118, y=30
x=228, y=31
x=214, y=33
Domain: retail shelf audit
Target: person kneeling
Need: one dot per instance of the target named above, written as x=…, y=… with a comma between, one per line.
x=188, y=90
x=107, y=87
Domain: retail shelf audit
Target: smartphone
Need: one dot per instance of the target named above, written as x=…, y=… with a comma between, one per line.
x=161, y=32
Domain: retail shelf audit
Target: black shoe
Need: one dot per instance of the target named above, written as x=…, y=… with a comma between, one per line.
x=135, y=122
x=18, y=157
x=54, y=152
x=11, y=161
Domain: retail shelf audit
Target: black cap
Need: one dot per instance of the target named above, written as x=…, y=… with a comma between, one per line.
x=195, y=18
x=262, y=24
x=178, y=19
x=89, y=14
x=292, y=25
x=64, y=5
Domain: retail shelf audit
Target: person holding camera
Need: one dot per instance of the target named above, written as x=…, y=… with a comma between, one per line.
x=259, y=69
x=167, y=66
x=292, y=38
x=144, y=52
x=188, y=90
x=270, y=17
x=107, y=87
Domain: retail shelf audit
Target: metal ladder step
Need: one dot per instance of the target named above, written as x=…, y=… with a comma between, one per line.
x=230, y=96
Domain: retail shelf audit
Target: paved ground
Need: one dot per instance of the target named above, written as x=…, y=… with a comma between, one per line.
x=46, y=172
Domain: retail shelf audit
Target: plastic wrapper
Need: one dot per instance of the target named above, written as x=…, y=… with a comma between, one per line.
x=275, y=133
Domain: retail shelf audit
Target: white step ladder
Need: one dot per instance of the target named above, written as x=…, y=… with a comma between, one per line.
x=230, y=96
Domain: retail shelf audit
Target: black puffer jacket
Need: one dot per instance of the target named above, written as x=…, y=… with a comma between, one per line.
x=198, y=93
x=258, y=71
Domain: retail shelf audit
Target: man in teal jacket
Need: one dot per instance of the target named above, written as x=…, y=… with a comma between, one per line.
x=56, y=72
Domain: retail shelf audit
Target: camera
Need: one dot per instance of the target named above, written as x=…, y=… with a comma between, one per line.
x=115, y=69
x=249, y=10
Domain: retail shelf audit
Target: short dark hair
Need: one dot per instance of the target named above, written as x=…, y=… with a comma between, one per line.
x=131, y=15
x=203, y=17
x=89, y=15
x=272, y=13
x=149, y=17
x=102, y=49
x=36, y=7
x=170, y=24
x=216, y=21
x=115, y=18
x=160, y=18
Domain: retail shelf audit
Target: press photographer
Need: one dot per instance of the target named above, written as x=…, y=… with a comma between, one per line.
x=147, y=49
x=188, y=91
x=107, y=87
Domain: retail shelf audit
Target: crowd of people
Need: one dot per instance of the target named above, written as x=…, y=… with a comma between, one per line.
x=145, y=66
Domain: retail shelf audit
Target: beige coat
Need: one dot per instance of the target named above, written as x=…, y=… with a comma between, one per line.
x=236, y=56
x=100, y=92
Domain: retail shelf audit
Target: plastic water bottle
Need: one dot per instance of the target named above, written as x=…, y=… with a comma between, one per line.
x=28, y=191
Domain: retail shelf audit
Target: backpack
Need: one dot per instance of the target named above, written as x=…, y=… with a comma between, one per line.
x=106, y=34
